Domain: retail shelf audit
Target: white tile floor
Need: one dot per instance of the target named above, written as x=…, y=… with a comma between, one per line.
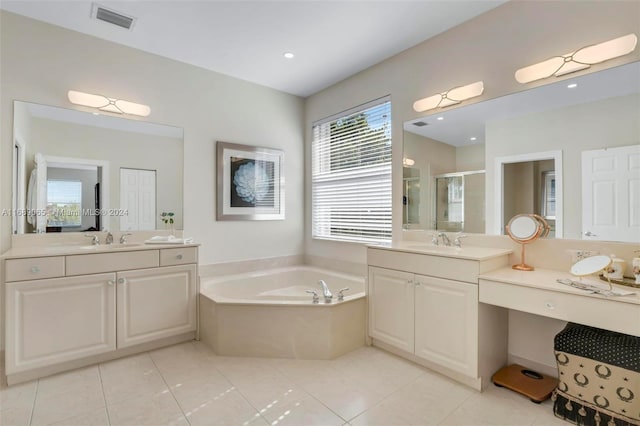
x=188, y=384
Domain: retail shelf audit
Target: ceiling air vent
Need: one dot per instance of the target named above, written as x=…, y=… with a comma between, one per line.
x=420, y=123
x=101, y=13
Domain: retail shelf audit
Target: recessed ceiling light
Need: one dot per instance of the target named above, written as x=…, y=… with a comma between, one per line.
x=440, y=118
x=572, y=86
x=289, y=55
x=472, y=138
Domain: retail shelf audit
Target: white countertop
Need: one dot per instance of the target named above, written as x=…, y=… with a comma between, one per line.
x=545, y=279
x=464, y=252
x=66, y=249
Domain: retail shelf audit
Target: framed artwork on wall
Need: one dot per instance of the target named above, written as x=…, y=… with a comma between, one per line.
x=250, y=182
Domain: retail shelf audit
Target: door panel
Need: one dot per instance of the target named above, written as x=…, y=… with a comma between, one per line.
x=391, y=307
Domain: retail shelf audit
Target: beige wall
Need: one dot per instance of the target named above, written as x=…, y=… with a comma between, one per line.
x=39, y=63
x=470, y=158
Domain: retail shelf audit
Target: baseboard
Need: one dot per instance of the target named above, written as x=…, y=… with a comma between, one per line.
x=36, y=373
x=533, y=365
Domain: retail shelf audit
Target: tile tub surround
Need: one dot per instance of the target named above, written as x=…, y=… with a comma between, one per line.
x=240, y=316
x=188, y=384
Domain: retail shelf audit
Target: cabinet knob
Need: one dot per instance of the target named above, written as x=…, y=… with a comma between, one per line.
x=179, y=257
x=121, y=280
x=110, y=282
x=35, y=269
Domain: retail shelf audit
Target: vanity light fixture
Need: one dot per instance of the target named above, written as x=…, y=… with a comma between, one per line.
x=104, y=103
x=578, y=60
x=407, y=162
x=450, y=97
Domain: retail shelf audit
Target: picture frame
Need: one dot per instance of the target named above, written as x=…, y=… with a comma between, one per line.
x=249, y=182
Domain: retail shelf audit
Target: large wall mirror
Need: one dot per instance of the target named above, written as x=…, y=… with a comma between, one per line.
x=76, y=171
x=578, y=141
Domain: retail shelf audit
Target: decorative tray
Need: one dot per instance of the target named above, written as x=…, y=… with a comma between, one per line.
x=628, y=281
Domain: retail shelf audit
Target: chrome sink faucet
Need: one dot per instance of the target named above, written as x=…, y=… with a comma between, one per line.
x=123, y=237
x=328, y=296
x=94, y=239
x=445, y=240
x=457, y=241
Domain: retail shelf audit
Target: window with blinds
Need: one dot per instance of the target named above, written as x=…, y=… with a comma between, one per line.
x=351, y=175
x=64, y=203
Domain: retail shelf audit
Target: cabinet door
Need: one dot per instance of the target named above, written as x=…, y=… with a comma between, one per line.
x=391, y=307
x=56, y=320
x=155, y=303
x=446, y=315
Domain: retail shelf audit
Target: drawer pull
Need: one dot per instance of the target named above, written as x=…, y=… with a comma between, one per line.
x=110, y=282
x=179, y=257
x=121, y=280
x=549, y=305
x=35, y=269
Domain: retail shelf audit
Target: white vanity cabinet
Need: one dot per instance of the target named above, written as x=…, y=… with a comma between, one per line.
x=155, y=303
x=59, y=319
x=391, y=307
x=425, y=307
x=101, y=305
x=446, y=319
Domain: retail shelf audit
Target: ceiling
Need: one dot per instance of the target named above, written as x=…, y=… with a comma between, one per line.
x=331, y=40
x=459, y=125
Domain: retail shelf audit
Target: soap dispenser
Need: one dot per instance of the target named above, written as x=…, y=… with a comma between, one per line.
x=615, y=271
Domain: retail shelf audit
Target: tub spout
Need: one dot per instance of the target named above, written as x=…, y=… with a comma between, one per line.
x=325, y=291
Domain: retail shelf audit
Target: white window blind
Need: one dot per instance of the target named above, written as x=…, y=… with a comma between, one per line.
x=351, y=175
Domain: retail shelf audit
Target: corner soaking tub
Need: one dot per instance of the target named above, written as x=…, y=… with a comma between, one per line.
x=269, y=314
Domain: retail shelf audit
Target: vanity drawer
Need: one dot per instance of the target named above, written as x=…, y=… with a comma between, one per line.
x=178, y=256
x=607, y=313
x=34, y=268
x=83, y=264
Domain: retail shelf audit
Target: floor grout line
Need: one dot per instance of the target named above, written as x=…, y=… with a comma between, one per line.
x=169, y=388
x=33, y=405
x=242, y=394
x=104, y=396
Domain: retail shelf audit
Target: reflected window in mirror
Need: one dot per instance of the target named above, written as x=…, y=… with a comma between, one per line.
x=64, y=203
x=548, y=195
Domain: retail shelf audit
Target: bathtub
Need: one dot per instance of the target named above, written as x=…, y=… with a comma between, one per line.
x=268, y=314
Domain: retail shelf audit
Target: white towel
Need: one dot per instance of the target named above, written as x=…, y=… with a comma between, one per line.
x=170, y=239
x=32, y=197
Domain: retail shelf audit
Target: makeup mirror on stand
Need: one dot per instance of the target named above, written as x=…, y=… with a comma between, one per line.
x=590, y=266
x=525, y=229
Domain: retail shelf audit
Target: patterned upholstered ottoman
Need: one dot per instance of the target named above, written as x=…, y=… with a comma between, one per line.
x=599, y=377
